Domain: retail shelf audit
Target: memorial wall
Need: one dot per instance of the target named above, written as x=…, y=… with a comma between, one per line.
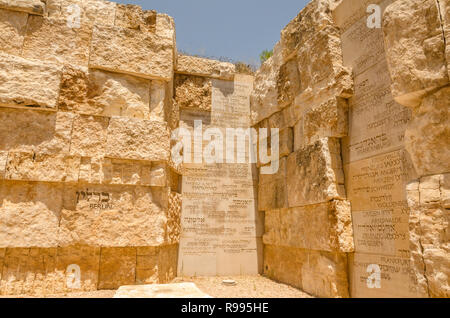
x=351, y=198
x=362, y=86
x=88, y=197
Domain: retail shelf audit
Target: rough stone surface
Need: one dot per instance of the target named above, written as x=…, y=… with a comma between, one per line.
x=113, y=216
x=133, y=17
x=30, y=214
x=55, y=41
x=322, y=227
x=193, y=92
x=314, y=174
x=415, y=51
x=428, y=134
x=137, y=139
x=12, y=31
x=134, y=52
x=29, y=6
x=319, y=273
x=104, y=93
x=205, y=67
x=28, y=82
x=51, y=131
x=92, y=12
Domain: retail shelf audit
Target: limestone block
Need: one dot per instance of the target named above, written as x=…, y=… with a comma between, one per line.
x=29, y=214
x=29, y=166
x=429, y=234
x=92, y=12
x=314, y=17
x=137, y=139
x=156, y=264
x=174, y=217
x=325, y=227
x=51, y=132
x=53, y=40
x=89, y=136
x=428, y=133
x=117, y=267
x=161, y=103
x=133, y=17
x=12, y=31
x=322, y=73
x=286, y=142
x=329, y=119
x=288, y=82
x=87, y=258
x=272, y=192
x=104, y=93
x=299, y=139
x=114, y=216
x=2, y=258
x=445, y=13
x=29, y=6
x=3, y=160
x=25, y=269
x=193, y=92
x=264, y=97
x=321, y=274
x=415, y=51
x=28, y=82
x=133, y=52
x=191, y=65
x=314, y=174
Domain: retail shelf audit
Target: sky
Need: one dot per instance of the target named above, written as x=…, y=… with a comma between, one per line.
x=235, y=29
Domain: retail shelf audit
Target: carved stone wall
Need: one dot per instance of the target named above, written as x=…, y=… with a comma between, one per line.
x=86, y=184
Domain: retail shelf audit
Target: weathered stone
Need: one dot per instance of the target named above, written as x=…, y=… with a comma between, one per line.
x=272, y=192
x=161, y=107
x=156, y=264
x=204, y=67
x=193, y=92
x=137, y=139
x=28, y=82
x=322, y=73
x=29, y=220
x=114, y=216
x=415, y=51
x=104, y=93
x=264, y=97
x=286, y=142
x=3, y=160
x=12, y=31
x=53, y=40
x=429, y=234
x=133, y=52
x=320, y=273
x=322, y=227
x=89, y=136
x=133, y=17
x=92, y=12
x=329, y=119
x=29, y=6
x=183, y=290
x=314, y=174
x=428, y=134
x=51, y=131
x=445, y=14
x=174, y=218
x=117, y=267
x=29, y=166
x=288, y=82
x=308, y=23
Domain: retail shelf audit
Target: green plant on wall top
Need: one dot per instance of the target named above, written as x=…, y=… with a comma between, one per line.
x=265, y=55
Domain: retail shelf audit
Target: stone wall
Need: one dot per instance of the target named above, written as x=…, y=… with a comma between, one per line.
x=363, y=118
x=85, y=175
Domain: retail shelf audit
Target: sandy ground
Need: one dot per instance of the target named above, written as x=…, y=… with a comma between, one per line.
x=246, y=287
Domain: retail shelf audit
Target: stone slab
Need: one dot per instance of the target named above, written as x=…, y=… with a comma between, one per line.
x=13, y=27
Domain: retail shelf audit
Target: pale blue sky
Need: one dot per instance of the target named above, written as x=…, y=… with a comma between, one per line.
x=236, y=29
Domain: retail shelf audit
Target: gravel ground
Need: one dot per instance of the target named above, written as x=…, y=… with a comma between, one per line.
x=245, y=287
